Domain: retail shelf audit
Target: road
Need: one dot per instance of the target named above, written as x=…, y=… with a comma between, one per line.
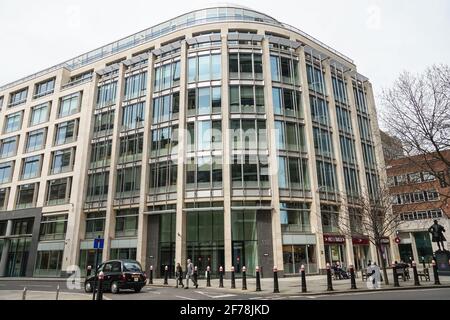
x=170, y=293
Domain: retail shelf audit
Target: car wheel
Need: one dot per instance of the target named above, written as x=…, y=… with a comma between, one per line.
x=138, y=289
x=115, y=288
x=88, y=287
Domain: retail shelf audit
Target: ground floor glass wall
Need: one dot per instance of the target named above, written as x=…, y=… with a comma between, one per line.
x=18, y=257
x=48, y=263
x=362, y=256
x=245, y=244
x=87, y=258
x=335, y=253
x=294, y=256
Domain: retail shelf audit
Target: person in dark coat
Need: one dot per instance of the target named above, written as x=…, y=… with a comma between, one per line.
x=179, y=275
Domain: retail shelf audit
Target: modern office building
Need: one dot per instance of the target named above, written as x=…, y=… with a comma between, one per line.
x=419, y=198
x=222, y=135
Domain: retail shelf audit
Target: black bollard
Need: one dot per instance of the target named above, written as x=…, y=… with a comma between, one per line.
x=208, y=276
x=166, y=275
x=233, y=279
x=329, y=283
x=220, y=277
x=258, y=279
x=101, y=276
x=416, y=275
x=244, y=278
x=394, y=272
x=435, y=273
x=303, y=277
x=151, y=275
x=275, y=280
x=352, y=278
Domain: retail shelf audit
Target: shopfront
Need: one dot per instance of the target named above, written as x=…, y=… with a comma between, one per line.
x=294, y=256
x=386, y=251
x=334, y=249
x=361, y=252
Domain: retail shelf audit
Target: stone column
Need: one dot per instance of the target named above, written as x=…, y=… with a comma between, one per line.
x=5, y=250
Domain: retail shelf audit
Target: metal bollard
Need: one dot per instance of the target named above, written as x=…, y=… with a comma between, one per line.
x=275, y=280
x=394, y=272
x=208, y=276
x=435, y=273
x=166, y=275
x=220, y=277
x=303, y=277
x=233, y=279
x=24, y=294
x=101, y=276
x=57, y=292
x=352, y=278
x=244, y=278
x=416, y=275
x=150, y=281
x=329, y=282
x=258, y=279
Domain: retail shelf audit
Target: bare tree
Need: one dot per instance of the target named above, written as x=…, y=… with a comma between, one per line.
x=417, y=112
x=371, y=216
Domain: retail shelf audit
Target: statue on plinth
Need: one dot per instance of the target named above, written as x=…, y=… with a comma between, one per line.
x=437, y=233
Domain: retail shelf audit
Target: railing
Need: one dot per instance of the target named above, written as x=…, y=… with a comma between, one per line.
x=198, y=17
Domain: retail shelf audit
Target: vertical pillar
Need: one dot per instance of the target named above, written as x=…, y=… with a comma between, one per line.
x=180, y=237
x=277, y=242
x=226, y=138
x=415, y=255
x=5, y=250
x=315, y=216
x=344, y=218
x=141, y=251
x=110, y=220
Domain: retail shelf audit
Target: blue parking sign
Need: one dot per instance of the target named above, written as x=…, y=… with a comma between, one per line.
x=99, y=243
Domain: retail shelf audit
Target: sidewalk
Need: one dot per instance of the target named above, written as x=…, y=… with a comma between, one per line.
x=43, y=295
x=316, y=284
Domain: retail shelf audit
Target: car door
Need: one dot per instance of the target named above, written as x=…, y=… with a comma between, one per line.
x=116, y=271
x=107, y=270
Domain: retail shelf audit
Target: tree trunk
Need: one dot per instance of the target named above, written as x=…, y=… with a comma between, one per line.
x=382, y=264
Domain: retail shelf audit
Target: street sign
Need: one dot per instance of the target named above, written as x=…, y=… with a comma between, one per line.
x=397, y=240
x=99, y=243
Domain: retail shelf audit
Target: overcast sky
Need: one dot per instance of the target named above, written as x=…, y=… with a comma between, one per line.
x=384, y=37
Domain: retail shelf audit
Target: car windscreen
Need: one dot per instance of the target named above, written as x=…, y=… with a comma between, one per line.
x=131, y=266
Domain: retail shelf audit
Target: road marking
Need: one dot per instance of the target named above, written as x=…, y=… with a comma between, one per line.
x=216, y=297
x=186, y=298
x=40, y=285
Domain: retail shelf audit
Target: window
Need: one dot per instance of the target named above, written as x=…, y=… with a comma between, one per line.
x=347, y=149
x=104, y=123
x=6, y=170
x=18, y=97
x=401, y=179
x=101, y=154
x=136, y=86
x=126, y=223
x=128, y=181
x=53, y=228
x=205, y=100
x=106, y=94
x=1, y=102
x=13, y=122
x=290, y=136
x=44, y=88
x=204, y=173
x=248, y=134
x=360, y=99
x=295, y=217
x=166, y=108
x=58, y=191
x=322, y=142
x=428, y=176
x=204, y=68
x=66, y=132
x=164, y=141
x=364, y=127
x=31, y=167
x=339, y=90
x=39, y=114
x=27, y=195
x=432, y=195
x=8, y=147
x=133, y=116
x=69, y=105
x=293, y=173
x=315, y=79
x=62, y=161
x=98, y=186
x=247, y=99
x=131, y=147
x=414, y=177
x=245, y=66
x=287, y=102
x=250, y=171
x=351, y=181
x=344, y=120
x=23, y=226
x=163, y=175
x=95, y=224
x=326, y=176
x=167, y=76
x=319, y=110
x=330, y=218
x=4, y=195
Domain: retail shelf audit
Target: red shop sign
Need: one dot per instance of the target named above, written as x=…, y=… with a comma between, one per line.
x=360, y=241
x=333, y=239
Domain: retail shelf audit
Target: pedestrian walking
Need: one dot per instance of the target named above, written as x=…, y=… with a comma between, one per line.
x=190, y=274
x=179, y=275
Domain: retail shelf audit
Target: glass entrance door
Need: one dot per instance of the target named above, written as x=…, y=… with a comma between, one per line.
x=238, y=256
x=18, y=257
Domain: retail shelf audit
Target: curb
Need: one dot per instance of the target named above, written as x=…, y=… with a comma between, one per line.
x=318, y=293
